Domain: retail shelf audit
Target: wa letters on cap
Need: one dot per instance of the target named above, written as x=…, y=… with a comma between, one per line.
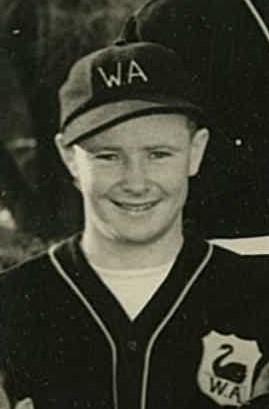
x=121, y=76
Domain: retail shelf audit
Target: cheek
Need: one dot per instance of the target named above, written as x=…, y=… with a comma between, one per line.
x=87, y=174
x=95, y=182
x=174, y=179
x=179, y=191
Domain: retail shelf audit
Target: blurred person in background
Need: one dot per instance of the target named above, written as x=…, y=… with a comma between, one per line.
x=20, y=217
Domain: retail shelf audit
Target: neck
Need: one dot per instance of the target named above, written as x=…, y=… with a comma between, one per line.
x=114, y=254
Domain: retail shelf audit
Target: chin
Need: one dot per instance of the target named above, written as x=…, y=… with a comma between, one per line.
x=136, y=241
x=139, y=237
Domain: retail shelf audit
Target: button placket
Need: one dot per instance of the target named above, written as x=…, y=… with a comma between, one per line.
x=132, y=345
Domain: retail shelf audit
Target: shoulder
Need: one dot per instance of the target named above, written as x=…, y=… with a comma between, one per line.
x=25, y=272
x=33, y=276
x=240, y=275
x=243, y=262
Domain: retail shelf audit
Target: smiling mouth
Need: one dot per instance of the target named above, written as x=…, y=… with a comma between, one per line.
x=135, y=208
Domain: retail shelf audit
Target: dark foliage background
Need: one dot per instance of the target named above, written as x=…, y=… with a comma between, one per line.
x=39, y=41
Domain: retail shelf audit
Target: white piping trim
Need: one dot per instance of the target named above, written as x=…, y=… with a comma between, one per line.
x=96, y=317
x=258, y=18
x=169, y=315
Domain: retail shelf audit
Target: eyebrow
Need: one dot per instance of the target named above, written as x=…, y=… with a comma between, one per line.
x=119, y=148
x=99, y=148
x=166, y=146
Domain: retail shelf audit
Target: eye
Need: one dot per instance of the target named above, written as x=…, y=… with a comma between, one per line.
x=107, y=156
x=160, y=154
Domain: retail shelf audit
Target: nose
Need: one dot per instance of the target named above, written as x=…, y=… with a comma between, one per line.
x=135, y=177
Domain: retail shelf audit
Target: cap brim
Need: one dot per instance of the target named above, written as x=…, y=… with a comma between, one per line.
x=98, y=119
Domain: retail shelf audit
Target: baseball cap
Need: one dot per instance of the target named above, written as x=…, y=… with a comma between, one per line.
x=124, y=81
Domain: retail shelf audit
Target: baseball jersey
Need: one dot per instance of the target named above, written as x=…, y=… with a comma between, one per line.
x=200, y=342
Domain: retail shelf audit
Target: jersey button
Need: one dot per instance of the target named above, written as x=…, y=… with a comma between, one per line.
x=132, y=345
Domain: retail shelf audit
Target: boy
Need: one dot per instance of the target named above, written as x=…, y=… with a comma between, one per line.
x=135, y=312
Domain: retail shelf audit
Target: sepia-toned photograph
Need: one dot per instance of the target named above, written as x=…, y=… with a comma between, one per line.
x=134, y=204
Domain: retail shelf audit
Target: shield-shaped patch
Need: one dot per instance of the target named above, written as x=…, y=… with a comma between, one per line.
x=227, y=368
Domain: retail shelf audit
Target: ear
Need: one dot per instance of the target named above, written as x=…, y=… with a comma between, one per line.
x=198, y=146
x=26, y=403
x=67, y=155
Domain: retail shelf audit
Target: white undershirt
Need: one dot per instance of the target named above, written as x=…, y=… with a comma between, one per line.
x=134, y=288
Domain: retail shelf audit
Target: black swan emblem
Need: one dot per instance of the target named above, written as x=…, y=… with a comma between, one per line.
x=233, y=371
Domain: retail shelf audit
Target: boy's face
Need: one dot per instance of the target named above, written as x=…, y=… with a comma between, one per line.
x=134, y=176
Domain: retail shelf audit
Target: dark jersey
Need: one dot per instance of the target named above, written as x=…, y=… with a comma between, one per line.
x=200, y=342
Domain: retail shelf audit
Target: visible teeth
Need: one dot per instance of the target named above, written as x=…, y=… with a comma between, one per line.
x=136, y=208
